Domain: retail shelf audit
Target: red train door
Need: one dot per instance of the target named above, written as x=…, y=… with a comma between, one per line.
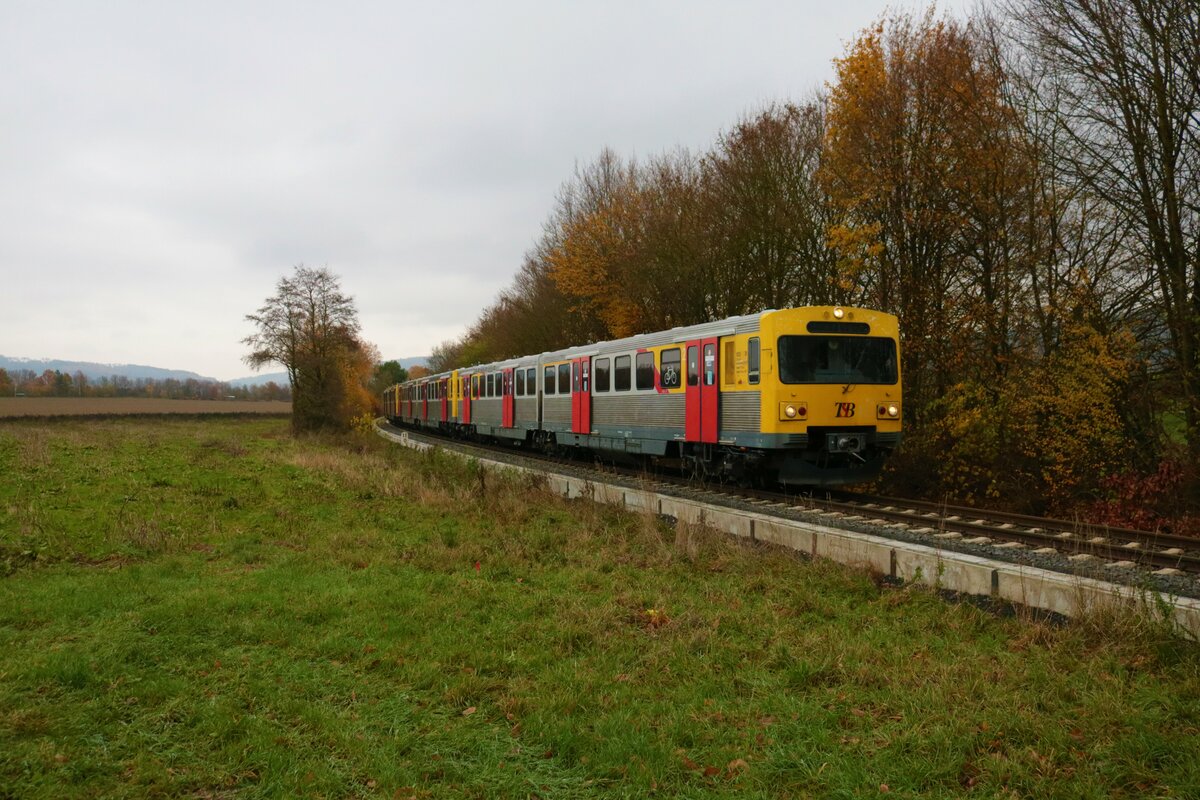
x=466, y=393
x=701, y=417
x=507, y=400
x=445, y=399
x=581, y=395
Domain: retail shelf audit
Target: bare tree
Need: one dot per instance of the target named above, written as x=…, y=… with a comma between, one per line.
x=311, y=328
x=1129, y=76
x=766, y=213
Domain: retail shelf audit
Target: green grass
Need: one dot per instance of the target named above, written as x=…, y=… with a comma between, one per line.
x=213, y=609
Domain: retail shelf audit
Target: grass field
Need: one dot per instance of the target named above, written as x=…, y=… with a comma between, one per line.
x=210, y=608
x=117, y=406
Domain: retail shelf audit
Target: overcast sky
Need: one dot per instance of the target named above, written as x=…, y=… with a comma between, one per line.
x=162, y=164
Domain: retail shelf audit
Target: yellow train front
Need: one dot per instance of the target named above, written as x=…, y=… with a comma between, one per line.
x=830, y=393
x=802, y=396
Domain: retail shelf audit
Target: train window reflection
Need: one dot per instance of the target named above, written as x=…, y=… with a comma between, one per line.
x=837, y=359
x=755, y=357
x=600, y=375
x=622, y=371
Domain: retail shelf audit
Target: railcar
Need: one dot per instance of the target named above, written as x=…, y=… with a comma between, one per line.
x=802, y=396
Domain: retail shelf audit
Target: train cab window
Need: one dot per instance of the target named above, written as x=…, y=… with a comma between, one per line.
x=645, y=371
x=668, y=369
x=520, y=383
x=531, y=381
x=754, y=360
x=564, y=378
x=549, y=380
x=600, y=375
x=621, y=370
x=837, y=359
x=693, y=366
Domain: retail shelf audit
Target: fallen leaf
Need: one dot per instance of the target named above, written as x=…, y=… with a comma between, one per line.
x=883, y=787
x=710, y=771
x=469, y=711
x=737, y=764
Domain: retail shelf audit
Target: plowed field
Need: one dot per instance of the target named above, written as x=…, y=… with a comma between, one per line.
x=109, y=406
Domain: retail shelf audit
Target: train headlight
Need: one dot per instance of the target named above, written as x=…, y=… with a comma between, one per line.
x=838, y=313
x=793, y=410
x=888, y=411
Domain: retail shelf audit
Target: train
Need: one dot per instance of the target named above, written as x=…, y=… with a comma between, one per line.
x=804, y=397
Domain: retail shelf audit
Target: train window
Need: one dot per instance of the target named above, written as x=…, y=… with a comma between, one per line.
x=491, y=384
x=644, y=372
x=622, y=373
x=754, y=360
x=693, y=366
x=837, y=359
x=668, y=368
x=575, y=377
x=520, y=383
x=710, y=364
x=549, y=380
x=531, y=381
x=564, y=378
x=600, y=375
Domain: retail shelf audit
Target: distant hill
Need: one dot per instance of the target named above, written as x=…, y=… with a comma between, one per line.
x=280, y=378
x=95, y=371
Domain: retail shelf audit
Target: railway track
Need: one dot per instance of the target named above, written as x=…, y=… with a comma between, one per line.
x=954, y=527
x=1075, y=539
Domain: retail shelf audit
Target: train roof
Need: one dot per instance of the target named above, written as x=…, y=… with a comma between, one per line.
x=724, y=327
x=745, y=323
